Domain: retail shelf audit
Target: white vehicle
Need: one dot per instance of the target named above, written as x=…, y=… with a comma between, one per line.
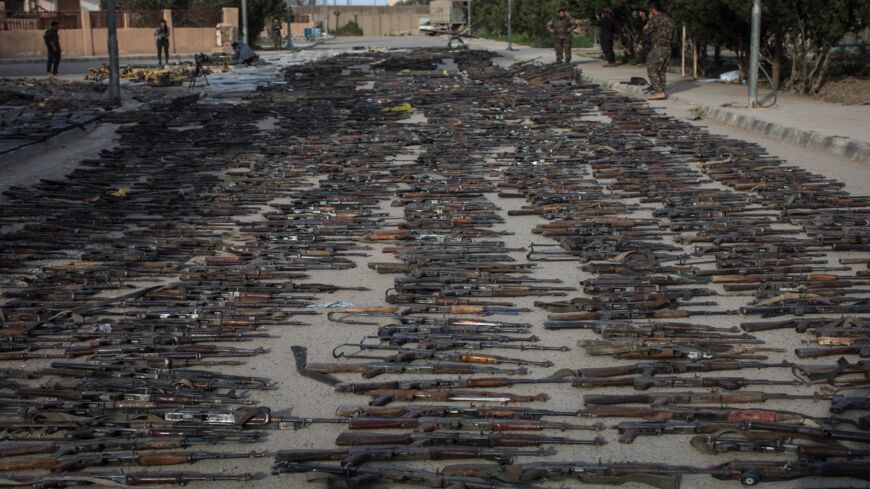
x=425, y=26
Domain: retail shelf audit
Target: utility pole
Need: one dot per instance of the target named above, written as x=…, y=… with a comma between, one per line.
x=325, y=17
x=509, y=26
x=469, y=17
x=754, y=48
x=245, y=22
x=114, y=68
x=289, y=25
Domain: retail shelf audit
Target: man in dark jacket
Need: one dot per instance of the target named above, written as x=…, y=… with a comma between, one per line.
x=52, y=43
x=606, y=32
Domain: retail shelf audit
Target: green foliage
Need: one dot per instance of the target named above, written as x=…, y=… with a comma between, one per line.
x=796, y=34
x=524, y=40
x=349, y=29
x=259, y=12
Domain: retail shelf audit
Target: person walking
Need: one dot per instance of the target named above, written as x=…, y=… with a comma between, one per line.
x=276, y=32
x=606, y=32
x=660, y=29
x=52, y=44
x=161, y=33
x=562, y=27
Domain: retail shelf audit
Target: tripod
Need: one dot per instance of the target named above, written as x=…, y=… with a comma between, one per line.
x=198, y=71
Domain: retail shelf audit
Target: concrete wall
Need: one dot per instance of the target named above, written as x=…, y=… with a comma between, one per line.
x=94, y=42
x=24, y=44
x=374, y=21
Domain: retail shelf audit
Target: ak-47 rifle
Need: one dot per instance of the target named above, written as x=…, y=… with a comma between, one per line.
x=357, y=456
x=736, y=441
x=453, y=438
x=379, y=476
x=431, y=423
x=655, y=475
x=382, y=397
x=655, y=368
x=421, y=410
x=560, y=377
x=751, y=472
x=630, y=430
x=665, y=398
x=78, y=462
x=646, y=382
x=123, y=480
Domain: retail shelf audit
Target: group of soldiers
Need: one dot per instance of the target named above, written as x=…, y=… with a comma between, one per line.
x=659, y=32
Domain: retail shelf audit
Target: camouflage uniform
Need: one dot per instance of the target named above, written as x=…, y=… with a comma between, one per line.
x=564, y=29
x=276, y=33
x=660, y=31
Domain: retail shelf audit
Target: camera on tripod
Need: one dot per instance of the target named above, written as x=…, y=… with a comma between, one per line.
x=198, y=71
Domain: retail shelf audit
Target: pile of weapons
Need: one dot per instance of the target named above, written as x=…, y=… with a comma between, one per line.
x=32, y=111
x=157, y=76
x=125, y=284
x=135, y=290
x=452, y=265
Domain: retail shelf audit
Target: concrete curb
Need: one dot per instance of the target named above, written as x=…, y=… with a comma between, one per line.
x=837, y=145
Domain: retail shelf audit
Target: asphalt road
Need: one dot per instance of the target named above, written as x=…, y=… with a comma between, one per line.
x=70, y=69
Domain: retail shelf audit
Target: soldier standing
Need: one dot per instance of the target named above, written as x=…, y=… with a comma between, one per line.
x=660, y=29
x=276, y=32
x=52, y=44
x=562, y=27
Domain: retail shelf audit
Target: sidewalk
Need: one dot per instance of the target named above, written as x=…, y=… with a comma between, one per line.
x=143, y=57
x=84, y=59
x=838, y=129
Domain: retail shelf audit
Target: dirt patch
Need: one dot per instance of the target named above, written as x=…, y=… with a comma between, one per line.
x=848, y=91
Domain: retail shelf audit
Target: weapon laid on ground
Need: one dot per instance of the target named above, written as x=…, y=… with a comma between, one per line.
x=560, y=377
x=321, y=371
x=645, y=382
x=750, y=472
x=654, y=368
x=78, y=462
x=736, y=441
x=431, y=423
x=122, y=480
x=421, y=410
x=417, y=354
x=665, y=398
x=862, y=350
x=841, y=374
x=802, y=325
x=258, y=417
x=673, y=349
x=656, y=475
x=362, y=476
x=630, y=430
x=370, y=370
x=356, y=456
x=71, y=447
x=382, y=397
x=841, y=404
x=452, y=438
